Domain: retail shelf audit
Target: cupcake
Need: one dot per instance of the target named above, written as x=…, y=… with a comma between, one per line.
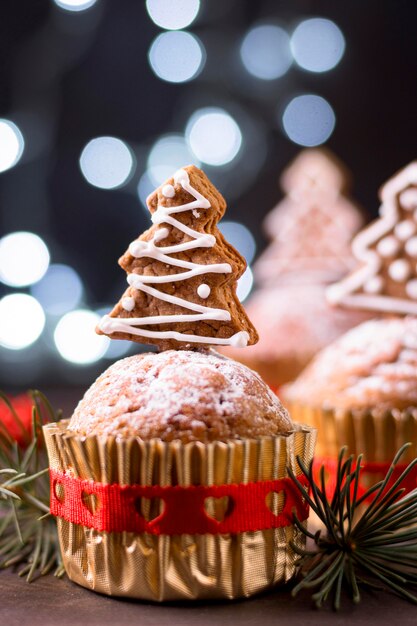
x=310, y=231
x=361, y=391
x=170, y=480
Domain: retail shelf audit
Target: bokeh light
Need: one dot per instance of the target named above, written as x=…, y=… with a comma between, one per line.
x=21, y=321
x=75, y=5
x=60, y=290
x=76, y=339
x=11, y=144
x=244, y=285
x=117, y=349
x=265, y=52
x=308, y=120
x=213, y=136
x=167, y=155
x=24, y=259
x=173, y=15
x=317, y=44
x=107, y=162
x=240, y=237
x=145, y=187
x=176, y=56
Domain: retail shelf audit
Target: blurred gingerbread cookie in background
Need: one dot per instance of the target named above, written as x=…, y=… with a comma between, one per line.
x=386, y=279
x=310, y=230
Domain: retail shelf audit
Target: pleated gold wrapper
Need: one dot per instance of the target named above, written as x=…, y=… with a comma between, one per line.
x=178, y=567
x=376, y=433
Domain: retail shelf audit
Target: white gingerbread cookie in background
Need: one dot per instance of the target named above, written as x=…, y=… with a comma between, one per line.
x=386, y=281
x=310, y=230
x=182, y=273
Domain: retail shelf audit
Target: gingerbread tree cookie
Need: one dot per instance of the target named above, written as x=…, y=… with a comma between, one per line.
x=311, y=228
x=182, y=274
x=387, y=250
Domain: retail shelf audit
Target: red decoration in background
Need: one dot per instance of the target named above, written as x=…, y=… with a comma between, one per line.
x=183, y=511
x=371, y=473
x=275, y=389
x=19, y=431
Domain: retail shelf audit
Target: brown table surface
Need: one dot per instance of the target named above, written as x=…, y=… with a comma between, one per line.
x=52, y=602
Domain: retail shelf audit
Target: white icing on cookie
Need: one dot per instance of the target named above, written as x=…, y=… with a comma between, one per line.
x=203, y=291
x=128, y=303
x=161, y=233
x=142, y=282
x=168, y=191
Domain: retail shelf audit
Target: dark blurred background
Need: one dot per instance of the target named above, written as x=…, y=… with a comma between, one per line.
x=100, y=101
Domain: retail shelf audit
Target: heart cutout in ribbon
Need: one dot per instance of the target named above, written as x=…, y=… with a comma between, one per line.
x=218, y=508
x=275, y=501
x=90, y=501
x=59, y=491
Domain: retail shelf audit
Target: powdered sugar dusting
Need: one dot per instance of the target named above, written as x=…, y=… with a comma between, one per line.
x=187, y=395
x=373, y=364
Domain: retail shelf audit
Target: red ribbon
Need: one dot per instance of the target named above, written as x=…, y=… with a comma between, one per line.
x=371, y=473
x=183, y=510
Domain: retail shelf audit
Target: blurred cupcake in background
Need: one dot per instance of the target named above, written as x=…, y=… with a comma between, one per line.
x=361, y=391
x=310, y=230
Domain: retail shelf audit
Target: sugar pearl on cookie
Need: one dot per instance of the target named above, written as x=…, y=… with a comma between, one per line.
x=411, y=247
x=405, y=229
x=203, y=291
x=128, y=303
x=168, y=191
x=399, y=270
x=374, y=285
x=388, y=246
x=408, y=199
x=411, y=289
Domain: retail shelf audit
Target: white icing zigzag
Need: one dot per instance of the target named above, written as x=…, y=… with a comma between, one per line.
x=139, y=249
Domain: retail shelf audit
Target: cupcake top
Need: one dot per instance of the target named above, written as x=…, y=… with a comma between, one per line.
x=180, y=395
x=372, y=366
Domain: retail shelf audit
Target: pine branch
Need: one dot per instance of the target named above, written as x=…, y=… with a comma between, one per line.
x=373, y=544
x=28, y=534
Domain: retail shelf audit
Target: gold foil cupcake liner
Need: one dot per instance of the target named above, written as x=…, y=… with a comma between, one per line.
x=186, y=566
x=376, y=433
